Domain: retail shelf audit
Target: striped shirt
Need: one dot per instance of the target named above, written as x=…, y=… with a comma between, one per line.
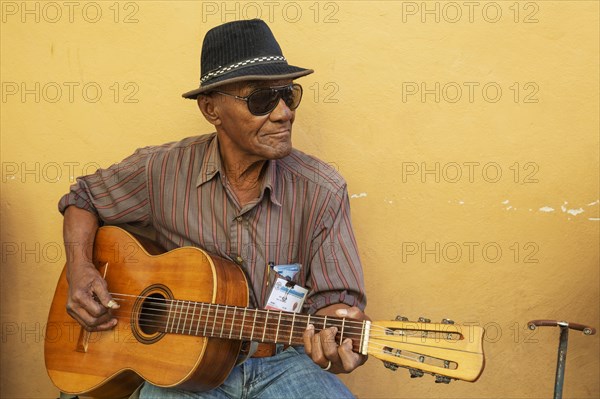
x=302, y=215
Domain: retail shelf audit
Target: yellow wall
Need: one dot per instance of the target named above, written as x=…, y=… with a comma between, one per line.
x=371, y=110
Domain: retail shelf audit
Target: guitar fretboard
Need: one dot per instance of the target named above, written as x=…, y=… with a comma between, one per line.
x=240, y=323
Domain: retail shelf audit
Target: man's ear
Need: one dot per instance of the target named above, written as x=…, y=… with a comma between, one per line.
x=207, y=107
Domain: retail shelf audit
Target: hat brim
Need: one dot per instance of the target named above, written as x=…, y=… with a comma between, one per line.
x=255, y=72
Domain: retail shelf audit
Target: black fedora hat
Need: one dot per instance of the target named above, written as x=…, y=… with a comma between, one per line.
x=242, y=50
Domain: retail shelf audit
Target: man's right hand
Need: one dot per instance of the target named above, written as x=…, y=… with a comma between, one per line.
x=89, y=301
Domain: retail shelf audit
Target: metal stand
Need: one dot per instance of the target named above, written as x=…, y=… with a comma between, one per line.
x=561, y=362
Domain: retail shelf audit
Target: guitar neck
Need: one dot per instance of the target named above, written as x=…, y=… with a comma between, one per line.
x=239, y=323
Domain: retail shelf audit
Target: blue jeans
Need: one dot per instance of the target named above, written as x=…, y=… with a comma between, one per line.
x=288, y=375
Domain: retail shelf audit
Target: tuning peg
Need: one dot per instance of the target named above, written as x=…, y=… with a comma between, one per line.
x=401, y=318
x=415, y=373
x=448, y=321
x=391, y=366
x=442, y=379
x=424, y=320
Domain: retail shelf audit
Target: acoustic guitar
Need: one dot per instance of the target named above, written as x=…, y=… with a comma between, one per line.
x=184, y=315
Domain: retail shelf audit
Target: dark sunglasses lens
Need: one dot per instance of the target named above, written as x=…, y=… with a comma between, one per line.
x=292, y=96
x=263, y=101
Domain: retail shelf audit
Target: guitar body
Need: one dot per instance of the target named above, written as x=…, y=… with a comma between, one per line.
x=113, y=363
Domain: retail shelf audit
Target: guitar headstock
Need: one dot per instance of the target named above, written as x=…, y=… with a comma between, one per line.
x=446, y=350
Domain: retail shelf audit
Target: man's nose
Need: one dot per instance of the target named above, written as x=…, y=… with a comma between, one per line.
x=281, y=112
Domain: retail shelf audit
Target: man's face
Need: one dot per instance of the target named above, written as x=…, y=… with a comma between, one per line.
x=247, y=136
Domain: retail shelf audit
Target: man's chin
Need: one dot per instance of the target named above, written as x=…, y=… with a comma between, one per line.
x=280, y=151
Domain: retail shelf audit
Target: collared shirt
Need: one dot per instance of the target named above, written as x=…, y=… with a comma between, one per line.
x=180, y=189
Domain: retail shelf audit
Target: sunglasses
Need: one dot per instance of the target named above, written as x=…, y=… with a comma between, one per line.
x=264, y=101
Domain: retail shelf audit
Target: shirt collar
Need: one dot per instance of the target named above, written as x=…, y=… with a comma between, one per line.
x=275, y=190
x=212, y=165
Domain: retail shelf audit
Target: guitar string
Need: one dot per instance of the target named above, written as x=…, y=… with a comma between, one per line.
x=181, y=303
x=371, y=345
x=220, y=322
x=182, y=309
x=386, y=349
x=284, y=329
x=296, y=335
x=375, y=347
x=220, y=318
x=223, y=324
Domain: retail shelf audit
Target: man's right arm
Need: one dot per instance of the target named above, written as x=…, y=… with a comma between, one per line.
x=115, y=195
x=88, y=299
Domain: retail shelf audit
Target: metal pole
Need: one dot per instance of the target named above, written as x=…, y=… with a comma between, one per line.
x=562, y=347
x=562, y=360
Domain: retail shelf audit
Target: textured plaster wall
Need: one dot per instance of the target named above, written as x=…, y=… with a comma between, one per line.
x=467, y=132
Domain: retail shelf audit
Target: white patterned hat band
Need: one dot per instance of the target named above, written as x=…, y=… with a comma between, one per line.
x=241, y=64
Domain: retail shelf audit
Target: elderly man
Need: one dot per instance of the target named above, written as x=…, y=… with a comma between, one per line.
x=242, y=193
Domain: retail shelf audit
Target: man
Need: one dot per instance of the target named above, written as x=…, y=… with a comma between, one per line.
x=244, y=194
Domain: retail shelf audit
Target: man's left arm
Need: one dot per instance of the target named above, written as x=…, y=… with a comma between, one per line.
x=336, y=279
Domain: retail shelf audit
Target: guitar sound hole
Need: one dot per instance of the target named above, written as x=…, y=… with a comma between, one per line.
x=150, y=314
x=153, y=314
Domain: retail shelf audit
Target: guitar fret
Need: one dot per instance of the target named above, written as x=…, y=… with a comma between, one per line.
x=179, y=318
x=223, y=323
x=265, y=327
x=199, y=318
x=174, y=315
x=232, y=321
x=278, y=324
x=253, y=324
x=342, y=332
x=169, y=317
x=206, y=323
x=292, y=329
x=325, y=323
x=192, y=321
x=185, y=317
x=243, y=320
x=362, y=348
x=212, y=332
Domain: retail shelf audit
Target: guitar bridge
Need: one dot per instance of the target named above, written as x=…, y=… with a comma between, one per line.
x=83, y=340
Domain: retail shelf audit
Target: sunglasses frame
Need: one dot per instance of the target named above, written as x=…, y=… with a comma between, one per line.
x=278, y=89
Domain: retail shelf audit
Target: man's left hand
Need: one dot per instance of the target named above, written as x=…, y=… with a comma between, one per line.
x=322, y=347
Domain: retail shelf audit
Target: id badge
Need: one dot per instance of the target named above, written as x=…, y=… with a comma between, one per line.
x=284, y=294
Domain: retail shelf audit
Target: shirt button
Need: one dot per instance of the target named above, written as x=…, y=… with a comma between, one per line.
x=239, y=218
x=239, y=260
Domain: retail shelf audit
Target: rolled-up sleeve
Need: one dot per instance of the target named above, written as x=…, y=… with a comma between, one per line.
x=336, y=274
x=118, y=194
